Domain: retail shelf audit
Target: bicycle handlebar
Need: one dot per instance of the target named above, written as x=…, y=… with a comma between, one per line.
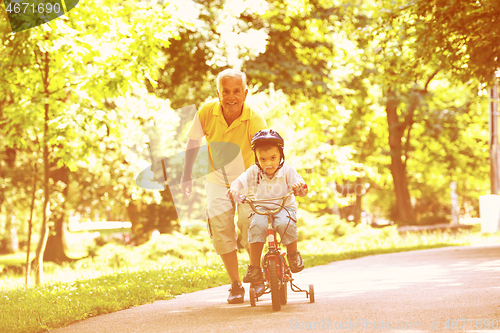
x=252, y=203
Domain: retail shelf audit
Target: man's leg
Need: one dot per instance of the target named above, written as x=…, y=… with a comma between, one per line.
x=243, y=224
x=231, y=263
x=224, y=236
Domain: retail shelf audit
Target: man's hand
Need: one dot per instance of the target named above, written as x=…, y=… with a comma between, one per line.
x=233, y=194
x=187, y=186
x=300, y=189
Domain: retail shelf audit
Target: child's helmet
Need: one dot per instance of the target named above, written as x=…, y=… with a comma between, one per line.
x=268, y=136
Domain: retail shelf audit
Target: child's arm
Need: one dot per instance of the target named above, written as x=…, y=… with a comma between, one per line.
x=234, y=190
x=240, y=183
x=300, y=189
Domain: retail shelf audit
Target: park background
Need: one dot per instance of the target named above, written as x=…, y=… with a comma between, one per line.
x=383, y=105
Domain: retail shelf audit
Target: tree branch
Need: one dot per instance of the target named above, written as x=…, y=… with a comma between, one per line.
x=430, y=79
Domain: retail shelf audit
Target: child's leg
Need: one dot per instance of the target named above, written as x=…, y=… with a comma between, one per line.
x=292, y=247
x=257, y=238
x=256, y=253
x=287, y=229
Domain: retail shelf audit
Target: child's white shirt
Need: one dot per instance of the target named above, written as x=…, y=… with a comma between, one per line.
x=278, y=186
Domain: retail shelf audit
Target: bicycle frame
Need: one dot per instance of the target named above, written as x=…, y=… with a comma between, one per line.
x=274, y=258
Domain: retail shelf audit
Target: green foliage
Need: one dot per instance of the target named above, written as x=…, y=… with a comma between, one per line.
x=76, y=67
x=463, y=33
x=300, y=45
x=38, y=309
x=327, y=227
x=216, y=35
x=176, y=245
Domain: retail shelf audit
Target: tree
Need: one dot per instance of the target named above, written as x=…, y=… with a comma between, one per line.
x=405, y=82
x=463, y=32
x=300, y=49
x=67, y=75
x=216, y=35
x=452, y=146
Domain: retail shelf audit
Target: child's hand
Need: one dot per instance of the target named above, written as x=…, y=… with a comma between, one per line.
x=300, y=189
x=233, y=194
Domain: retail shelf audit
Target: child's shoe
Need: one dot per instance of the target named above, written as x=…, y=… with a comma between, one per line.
x=253, y=275
x=295, y=261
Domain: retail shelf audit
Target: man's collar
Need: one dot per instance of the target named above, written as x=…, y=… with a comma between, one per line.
x=245, y=115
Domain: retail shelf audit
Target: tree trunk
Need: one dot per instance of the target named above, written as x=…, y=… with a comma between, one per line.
x=30, y=227
x=44, y=231
x=10, y=235
x=359, y=191
x=138, y=232
x=56, y=245
x=405, y=213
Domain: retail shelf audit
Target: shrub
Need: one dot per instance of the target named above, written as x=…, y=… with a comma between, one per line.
x=326, y=227
x=117, y=256
x=176, y=245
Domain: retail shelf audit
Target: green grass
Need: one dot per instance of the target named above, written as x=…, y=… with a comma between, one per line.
x=56, y=305
x=18, y=258
x=122, y=277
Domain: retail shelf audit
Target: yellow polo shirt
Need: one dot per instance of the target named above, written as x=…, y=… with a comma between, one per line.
x=228, y=160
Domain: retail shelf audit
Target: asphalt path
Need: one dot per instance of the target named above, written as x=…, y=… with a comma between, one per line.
x=440, y=290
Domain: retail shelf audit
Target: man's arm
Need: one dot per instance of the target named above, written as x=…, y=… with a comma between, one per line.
x=192, y=148
x=234, y=191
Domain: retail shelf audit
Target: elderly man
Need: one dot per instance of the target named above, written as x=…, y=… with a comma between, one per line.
x=229, y=119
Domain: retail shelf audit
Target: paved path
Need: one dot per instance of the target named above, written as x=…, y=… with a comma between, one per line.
x=411, y=291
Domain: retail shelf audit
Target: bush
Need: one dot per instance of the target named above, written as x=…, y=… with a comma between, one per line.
x=117, y=256
x=176, y=245
x=326, y=227
x=433, y=219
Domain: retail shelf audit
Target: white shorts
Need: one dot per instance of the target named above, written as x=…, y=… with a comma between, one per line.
x=286, y=227
x=220, y=220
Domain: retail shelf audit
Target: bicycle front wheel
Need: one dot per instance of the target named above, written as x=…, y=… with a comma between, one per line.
x=283, y=293
x=275, y=285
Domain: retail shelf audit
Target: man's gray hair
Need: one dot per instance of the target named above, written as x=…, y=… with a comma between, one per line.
x=231, y=73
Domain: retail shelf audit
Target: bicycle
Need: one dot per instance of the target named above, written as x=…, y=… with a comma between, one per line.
x=276, y=270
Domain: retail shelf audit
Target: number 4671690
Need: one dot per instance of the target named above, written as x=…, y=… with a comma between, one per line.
x=26, y=7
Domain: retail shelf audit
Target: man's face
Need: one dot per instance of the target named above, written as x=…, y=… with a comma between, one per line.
x=269, y=159
x=232, y=94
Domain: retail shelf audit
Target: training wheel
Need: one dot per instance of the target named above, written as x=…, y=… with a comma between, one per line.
x=311, y=293
x=253, y=297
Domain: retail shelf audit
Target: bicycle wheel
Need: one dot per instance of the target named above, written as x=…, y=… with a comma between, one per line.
x=283, y=294
x=311, y=293
x=275, y=285
x=253, y=297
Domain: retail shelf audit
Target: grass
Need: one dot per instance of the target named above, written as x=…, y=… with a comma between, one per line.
x=121, y=277
x=57, y=305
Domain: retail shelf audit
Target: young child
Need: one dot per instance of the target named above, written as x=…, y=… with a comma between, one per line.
x=270, y=177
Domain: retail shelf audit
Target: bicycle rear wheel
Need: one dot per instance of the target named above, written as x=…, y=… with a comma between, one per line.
x=275, y=285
